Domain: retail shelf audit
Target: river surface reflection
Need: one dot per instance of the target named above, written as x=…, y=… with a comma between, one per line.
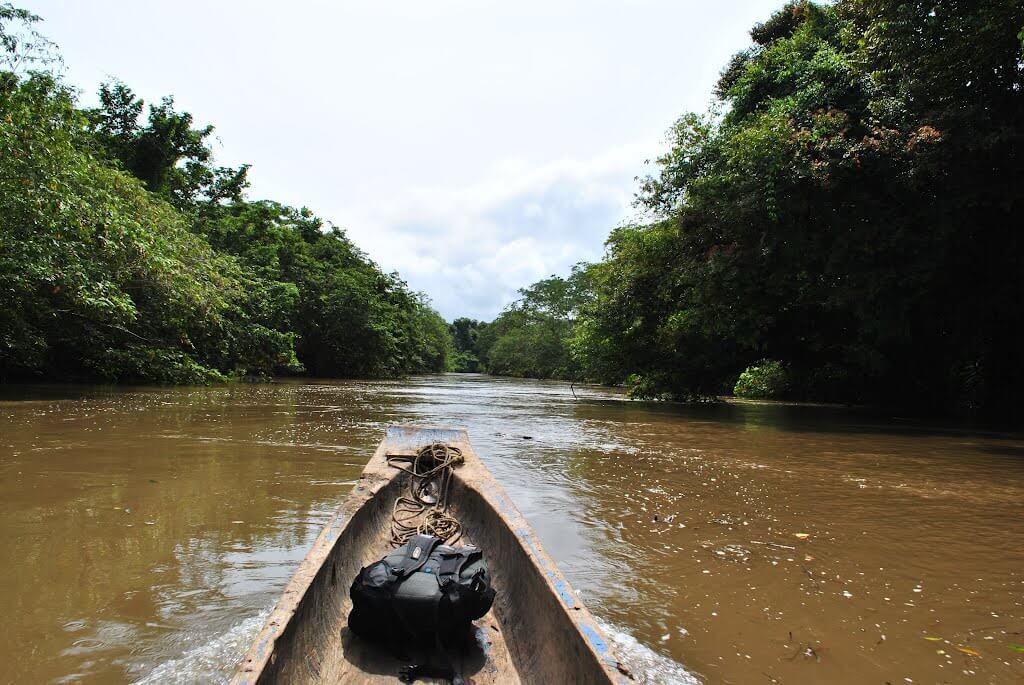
x=144, y=533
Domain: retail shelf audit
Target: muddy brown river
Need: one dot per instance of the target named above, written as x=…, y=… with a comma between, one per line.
x=145, y=533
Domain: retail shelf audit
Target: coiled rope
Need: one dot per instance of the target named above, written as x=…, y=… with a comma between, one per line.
x=424, y=510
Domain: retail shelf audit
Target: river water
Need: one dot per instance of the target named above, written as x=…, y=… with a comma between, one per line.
x=145, y=533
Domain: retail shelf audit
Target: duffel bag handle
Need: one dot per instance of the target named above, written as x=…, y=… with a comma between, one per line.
x=417, y=552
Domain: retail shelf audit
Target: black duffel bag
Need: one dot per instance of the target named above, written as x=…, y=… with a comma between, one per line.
x=422, y=591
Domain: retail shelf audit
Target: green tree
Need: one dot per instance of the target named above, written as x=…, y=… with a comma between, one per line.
x=849, y=207
x=126, y=255
x=102, y=279
x=532, y=337
x=167, y=154
x=351, y=318
x=465, y=336
x=21, y=45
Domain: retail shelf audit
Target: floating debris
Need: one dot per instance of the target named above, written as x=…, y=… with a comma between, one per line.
x=736, y=552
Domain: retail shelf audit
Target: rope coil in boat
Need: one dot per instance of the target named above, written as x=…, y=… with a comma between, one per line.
x=424, y=510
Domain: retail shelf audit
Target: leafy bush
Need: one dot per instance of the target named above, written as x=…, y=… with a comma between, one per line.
x=765, y=380
x=465, y=362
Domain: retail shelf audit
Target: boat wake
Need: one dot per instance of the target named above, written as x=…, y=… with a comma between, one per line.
x=214, y=661
x=211, y=662
x=647, y=666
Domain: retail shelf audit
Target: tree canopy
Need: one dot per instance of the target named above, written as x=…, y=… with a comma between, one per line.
x=531, y=338
x=849, y=209
x=126, y=254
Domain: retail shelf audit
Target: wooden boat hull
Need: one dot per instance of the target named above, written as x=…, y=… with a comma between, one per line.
x=538, y=631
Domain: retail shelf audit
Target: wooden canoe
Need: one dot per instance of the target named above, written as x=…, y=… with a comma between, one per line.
x=538, y=631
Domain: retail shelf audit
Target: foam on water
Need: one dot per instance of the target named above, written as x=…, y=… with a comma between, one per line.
x=213, y=661
x=647, y=666
x=210, y=662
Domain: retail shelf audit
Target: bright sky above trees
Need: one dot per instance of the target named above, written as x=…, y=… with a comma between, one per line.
x=473, y=146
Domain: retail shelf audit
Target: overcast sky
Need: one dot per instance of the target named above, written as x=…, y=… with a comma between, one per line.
x=473, y=146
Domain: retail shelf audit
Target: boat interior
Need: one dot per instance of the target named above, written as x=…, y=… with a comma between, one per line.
x=536, y=631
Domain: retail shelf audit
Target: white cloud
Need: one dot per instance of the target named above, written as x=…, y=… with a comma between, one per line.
x=470, y=248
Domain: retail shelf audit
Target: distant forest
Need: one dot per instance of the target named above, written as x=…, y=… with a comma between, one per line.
x=127, y=255
x=843, y=224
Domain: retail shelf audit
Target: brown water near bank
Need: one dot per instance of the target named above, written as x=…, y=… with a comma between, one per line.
x=145, y=532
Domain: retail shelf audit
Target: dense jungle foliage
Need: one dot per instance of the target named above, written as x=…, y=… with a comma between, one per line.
x=532, y=337
x=465, y=336
x=848, y=213
x=127, y=255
